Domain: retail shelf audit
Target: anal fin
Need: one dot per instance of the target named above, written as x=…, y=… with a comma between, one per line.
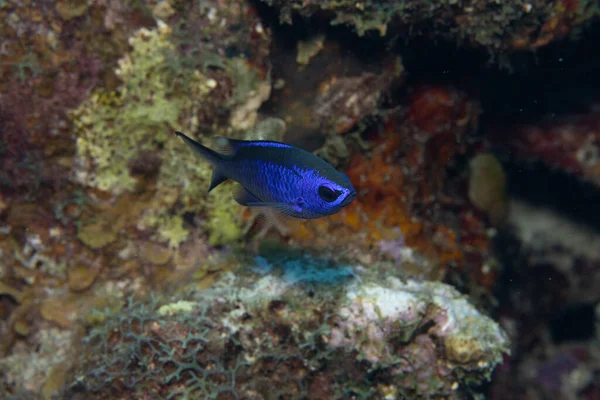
x=245, y=198
x=277, y=220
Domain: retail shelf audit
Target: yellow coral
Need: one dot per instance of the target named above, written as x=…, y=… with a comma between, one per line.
x=182, y=306
x=224, y=223
x=169, y=228
x=114, y=126
x=159, y=94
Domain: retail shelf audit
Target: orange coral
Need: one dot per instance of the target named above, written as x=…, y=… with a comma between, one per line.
x=401, y=180
x=441, y=109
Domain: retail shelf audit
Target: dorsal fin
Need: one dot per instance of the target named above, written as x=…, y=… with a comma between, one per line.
x=226, y=146
x=201, y=150
x=223, y=145
x=243, y=197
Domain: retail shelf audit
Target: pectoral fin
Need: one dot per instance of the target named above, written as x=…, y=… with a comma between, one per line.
x=224, y=145
x=291, y=210
x=243, y=197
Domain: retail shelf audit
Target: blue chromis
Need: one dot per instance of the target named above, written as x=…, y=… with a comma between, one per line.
x=272, y=174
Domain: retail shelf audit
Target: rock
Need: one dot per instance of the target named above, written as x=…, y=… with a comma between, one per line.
x=509, y=25
x=155, y=253
x=22, y=327
x=487, y=187
x=309, y=48
x=61, y=311
x=553, y=242
x=96, y=235
x=278, y=327
x=81, y=277
x=569, y=144
x=54, y=382
x=5, y=289
x=69, y=9
x=244, y=116
x=345, y=101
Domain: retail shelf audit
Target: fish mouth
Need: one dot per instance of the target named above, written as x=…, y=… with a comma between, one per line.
x=348, y=199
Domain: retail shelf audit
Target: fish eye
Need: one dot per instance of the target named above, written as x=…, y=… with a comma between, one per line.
x=328, y=194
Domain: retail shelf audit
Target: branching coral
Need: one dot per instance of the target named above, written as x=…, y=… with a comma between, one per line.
x=175, y=355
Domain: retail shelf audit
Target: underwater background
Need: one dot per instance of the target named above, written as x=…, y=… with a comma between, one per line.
x=467, y=267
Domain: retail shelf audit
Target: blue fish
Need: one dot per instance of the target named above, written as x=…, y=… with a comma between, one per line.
x=272, y=174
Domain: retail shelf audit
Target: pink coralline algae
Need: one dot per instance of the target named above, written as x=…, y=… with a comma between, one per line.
x=570, y=144
x=402, y=311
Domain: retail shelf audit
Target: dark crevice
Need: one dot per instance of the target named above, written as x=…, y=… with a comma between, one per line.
x=575, y=322
x=562, y=77
x=558, y=191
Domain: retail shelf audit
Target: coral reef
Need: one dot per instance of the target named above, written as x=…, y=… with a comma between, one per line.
x=568, y=371
x=343, y=102
x=125, y=135
x=49, y=64
x=406, y=194
x=31, y=372
x=549, y=307
x=118, y=79
x=121, y=278
x=301, y=322
x=511, y=25
x=570, y=144
x=550, y=240
x=487, y=187
x=115, y=127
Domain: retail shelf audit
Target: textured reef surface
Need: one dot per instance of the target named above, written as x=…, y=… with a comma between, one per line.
x=467, y=267
x=293, y=326
x=496, y=26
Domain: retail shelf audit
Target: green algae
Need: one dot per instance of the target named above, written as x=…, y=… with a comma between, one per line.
x=113, y=127
x=160, y=92
x=97, y=235
x=170, y=228
x=225, y=225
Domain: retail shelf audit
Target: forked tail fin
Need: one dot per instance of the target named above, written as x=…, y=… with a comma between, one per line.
x=209, y=155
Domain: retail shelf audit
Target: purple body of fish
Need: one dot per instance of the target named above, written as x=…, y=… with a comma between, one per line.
x=272, y=174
